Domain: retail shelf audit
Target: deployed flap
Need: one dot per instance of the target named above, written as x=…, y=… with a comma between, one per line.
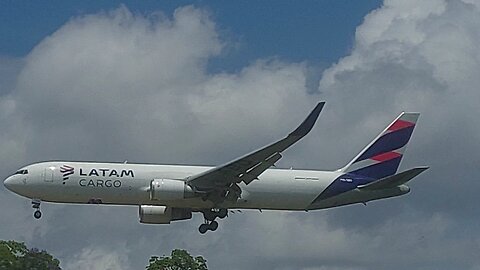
x=394, y=180
x=249, y=167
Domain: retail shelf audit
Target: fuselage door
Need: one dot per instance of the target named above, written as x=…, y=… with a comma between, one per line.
x=48, y=174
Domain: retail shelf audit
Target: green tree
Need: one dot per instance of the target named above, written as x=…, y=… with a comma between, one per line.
x=179, y=260
x=16, y=256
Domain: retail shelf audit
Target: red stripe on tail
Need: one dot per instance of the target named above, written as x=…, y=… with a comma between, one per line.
x=400, y=124
x=385, y=156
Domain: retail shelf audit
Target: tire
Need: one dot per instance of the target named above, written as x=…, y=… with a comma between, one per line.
x=213, y=226
x=209, y=215
x=203, y=228
x=37, y=214
x=222, y=213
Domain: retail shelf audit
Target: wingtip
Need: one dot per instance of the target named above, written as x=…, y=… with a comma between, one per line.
x=309, y=122
x=320, y=104
x=420, y=169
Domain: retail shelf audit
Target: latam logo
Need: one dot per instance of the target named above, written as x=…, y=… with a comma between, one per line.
x=66, y=171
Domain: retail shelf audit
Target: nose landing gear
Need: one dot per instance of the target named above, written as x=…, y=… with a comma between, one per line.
x=36, y=205
x=210, y=215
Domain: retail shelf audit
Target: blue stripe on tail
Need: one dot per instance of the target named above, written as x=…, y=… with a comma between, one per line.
x=342, y=184
x=388, y=142
x=379, y=170
x=360, y=177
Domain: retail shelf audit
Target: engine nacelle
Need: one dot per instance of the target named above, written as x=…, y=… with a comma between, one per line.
x=157, y=214
x=168, y=189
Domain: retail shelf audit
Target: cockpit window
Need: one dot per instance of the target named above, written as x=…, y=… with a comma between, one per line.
x=21, y=172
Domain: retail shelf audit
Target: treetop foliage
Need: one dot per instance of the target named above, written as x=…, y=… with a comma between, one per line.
x=179, y=260
x=16, y=256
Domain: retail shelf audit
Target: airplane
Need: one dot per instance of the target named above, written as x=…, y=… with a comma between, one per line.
x=167, y=193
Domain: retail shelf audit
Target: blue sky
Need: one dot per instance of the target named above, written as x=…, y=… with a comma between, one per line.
x=317, y=31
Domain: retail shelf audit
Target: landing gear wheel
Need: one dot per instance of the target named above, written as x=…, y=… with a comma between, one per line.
x=36, y=205
x=213, y=226
x=222, y=213
x=210, y=216
x=203, y=228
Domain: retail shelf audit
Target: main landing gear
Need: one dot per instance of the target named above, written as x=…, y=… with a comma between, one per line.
x=36, y=205
x=210, y=216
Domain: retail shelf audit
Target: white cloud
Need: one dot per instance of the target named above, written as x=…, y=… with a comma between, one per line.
x=422, y=57
x=98, y=259
x=145, y=80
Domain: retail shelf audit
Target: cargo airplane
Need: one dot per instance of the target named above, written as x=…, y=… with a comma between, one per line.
x=166, y=193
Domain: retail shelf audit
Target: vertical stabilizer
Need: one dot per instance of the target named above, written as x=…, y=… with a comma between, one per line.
x=382, y=156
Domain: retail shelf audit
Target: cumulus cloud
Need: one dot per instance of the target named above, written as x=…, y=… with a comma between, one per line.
x=430, y=65
x=141, y=78
x=98, y=259
x=118, y=85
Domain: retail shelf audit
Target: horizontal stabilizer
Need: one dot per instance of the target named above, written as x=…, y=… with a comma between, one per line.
x=394, y=180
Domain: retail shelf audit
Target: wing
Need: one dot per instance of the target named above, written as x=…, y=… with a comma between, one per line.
x=220, y=183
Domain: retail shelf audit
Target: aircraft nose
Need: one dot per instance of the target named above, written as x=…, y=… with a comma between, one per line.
x=10, y=183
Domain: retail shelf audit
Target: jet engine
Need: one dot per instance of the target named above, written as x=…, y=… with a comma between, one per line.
x=157, y=214
x=168, y=189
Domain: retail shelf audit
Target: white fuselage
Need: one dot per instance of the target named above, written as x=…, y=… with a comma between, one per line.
x=129, y=184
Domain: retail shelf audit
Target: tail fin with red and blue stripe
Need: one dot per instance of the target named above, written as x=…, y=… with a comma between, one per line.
x=382, y=156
